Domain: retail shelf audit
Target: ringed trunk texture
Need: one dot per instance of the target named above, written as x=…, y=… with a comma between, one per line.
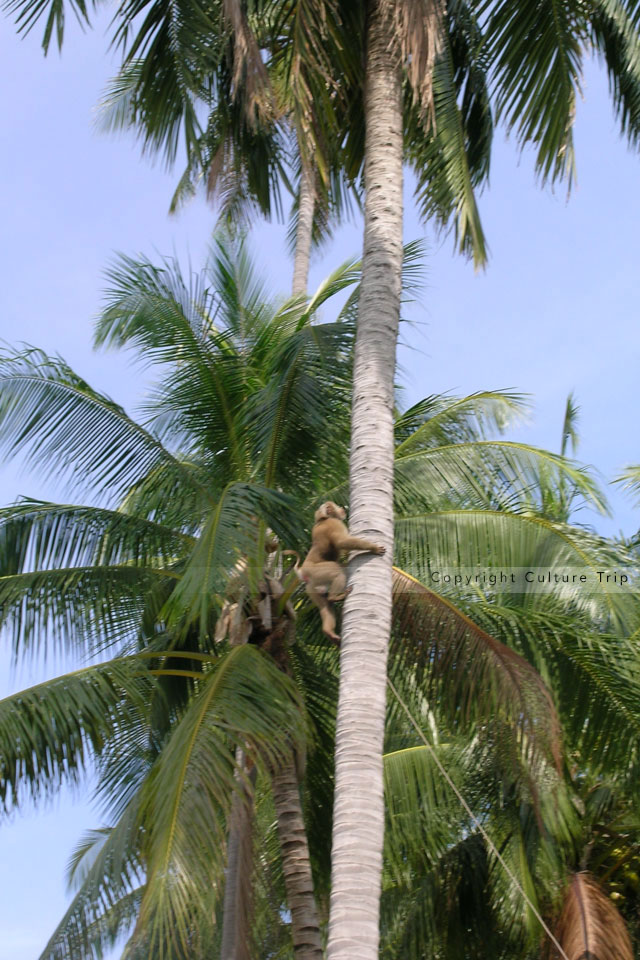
x=358, y=824
x=236, y=918
x=296, y=866
x=306, y=207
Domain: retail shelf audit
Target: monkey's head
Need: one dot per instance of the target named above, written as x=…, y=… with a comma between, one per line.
x=330, y=509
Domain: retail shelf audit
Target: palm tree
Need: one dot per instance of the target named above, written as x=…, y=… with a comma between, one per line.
x=534, y=57
x=236, y=364
x=152, y=570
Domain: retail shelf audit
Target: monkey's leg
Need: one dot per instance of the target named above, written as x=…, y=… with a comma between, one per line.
x=329, y=622
x=327, y=615
x=338, y=589
x=321, y=576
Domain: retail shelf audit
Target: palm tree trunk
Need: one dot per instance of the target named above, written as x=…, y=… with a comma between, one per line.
x=236, y=917
x=358, y=824
x=306, y=206
x=296, y=866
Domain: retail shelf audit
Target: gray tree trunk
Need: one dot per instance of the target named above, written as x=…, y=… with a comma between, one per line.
x=236, y=918
x=358, y=826
x=296, y=866
x=306, y=206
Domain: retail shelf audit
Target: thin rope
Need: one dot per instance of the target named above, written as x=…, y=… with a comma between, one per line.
x=475, y=820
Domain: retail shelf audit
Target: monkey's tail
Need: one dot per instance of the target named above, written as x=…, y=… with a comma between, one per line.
x=297, y=565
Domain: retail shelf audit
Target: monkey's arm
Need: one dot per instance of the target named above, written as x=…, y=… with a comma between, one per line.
x=355, y=543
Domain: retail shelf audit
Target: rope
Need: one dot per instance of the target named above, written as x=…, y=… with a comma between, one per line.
x=477, y=823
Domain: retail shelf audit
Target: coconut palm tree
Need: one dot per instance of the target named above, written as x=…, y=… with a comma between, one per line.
x=225, y=407
x=155, y=309
x=535, y=62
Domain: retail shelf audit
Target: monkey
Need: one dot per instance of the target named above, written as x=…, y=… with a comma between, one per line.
x=325, y=579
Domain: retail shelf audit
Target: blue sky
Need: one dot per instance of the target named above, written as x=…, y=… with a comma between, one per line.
x=556, y=310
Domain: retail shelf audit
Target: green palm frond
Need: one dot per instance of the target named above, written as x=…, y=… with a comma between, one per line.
x=490, y=473
x=245, y=307
x=180, y=52
x=106, y=869
x=454, y=158
x=482, y=677
x=231, y=531
x=615, y=34
x=154, y=309
x=535, y=54
x=67, y=428
x=630, y=480
x=27, y=14
x=83, y=608
x=48, y=731
x=439, y=420
x=493, y=541
x=423, y=816
x=570, y=426
x=37, y=535
x=247, y=702
x=593, y=677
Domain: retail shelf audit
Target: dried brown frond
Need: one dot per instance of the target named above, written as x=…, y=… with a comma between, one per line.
x=217, y=167
x=249, y=70
x=590, y=927
x=470, y=673
x=417, y=28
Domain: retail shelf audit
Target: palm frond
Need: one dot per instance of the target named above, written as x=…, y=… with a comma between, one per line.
x=29, y=12
x=416, y=26
x=440, y=419
x=630, y=480
x=67, y=428
x=38, y=535
x=593, y=677
x=615, y=34
x=570, y=426
x=423, y=816
x=244, y=702
x=535, y=53
x=249, y=70
x=48, y=732
x=482, y=542
x=86, y=608
x=483, y=677
x=245, y=308
x=484, y=473
x=590, y=925
x=454, y=158
x=230, y=531
x=108, y=867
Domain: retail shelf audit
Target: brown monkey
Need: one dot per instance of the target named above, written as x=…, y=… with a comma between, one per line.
x=321, y=571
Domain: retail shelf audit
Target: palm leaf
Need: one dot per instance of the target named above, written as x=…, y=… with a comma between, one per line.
x=461, y=137
x=439, y=420
x=230, y=531
x=28, y=13
x=590, y=925
x=535, y=52
x=86, y=607
x=107, y=867
x=615, y=35
x=630, y=480
x=486, y=472
x=47, y=732
x=36, y=535
x=485, y=542
x=69, y=429
x=593, y=677
x=244, y=702
x=483, y=678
